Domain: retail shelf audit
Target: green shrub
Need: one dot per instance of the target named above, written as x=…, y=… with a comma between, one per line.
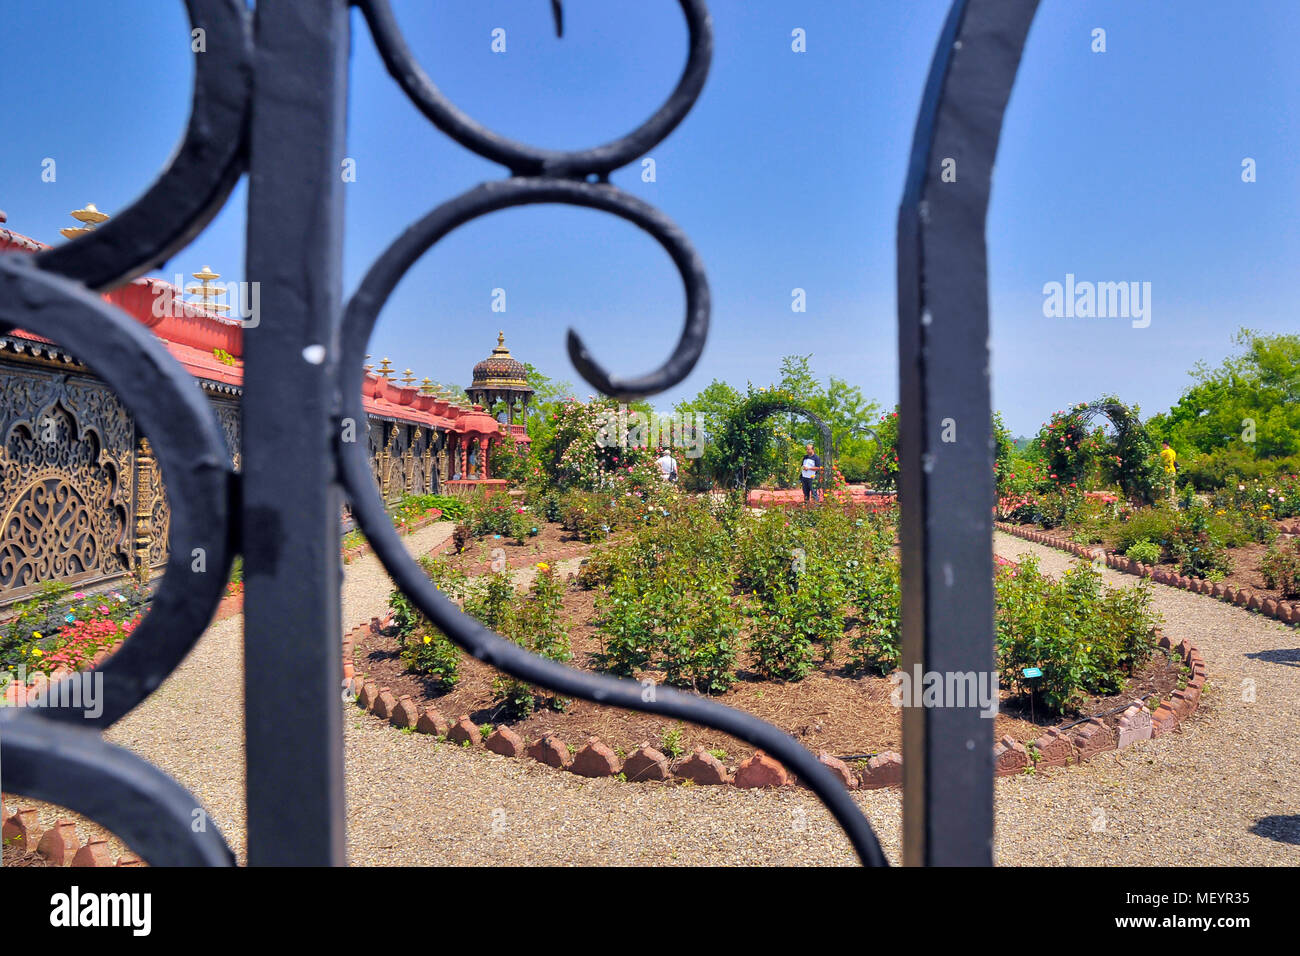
x=428, y=653
x=1280, y=568
x=781, y=651
x=627, y=625
x=1197, y=544
x=1145, y=552
x=878, y=644
x=1146, y=524
x=406, y=616
x=699, y=644
x=491, y=514
x=535, y=624
x=490, y=600
x=421, y=646
x=1085, y=638
x=588, y=515
x=856, y=469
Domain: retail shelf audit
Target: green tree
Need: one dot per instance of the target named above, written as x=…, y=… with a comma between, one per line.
x=1240, y=419
x=548, y=395
x=714, y=404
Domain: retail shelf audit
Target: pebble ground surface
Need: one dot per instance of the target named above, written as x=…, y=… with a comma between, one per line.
x=1223, y=790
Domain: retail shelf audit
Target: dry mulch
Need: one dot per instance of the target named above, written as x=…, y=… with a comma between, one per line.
x=1157, y=679
x=551, y=544
x=10, y=856
x=848, y=716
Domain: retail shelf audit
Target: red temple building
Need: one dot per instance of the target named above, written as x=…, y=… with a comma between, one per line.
x=90, y=505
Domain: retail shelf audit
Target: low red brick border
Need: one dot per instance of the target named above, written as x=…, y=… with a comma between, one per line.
x=1288, y=612
x=230, y=605
x=59, y=845
x=1054, y=748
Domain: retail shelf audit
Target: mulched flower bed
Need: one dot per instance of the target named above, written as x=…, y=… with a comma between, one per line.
x=1245, y=563
x=10, y=856
x=845, y=715
x=551, y=544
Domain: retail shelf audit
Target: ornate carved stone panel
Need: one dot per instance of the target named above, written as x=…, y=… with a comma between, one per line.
x=66, y=501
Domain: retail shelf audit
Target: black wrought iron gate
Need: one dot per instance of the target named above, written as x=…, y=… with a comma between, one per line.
x=269, y=100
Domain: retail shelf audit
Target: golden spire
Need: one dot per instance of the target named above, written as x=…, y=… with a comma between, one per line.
x=386, y=367
x=369, y=367
x=205, y=293
x=426, y=385
x=408, y=378
x=89, y=215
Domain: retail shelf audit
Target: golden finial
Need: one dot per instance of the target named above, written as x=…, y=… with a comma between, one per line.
x=205, y=293
x=386, y=367
x=408, y=378
x=426, y=385
x=501, y=340
x=89, y=215
x=369, y=367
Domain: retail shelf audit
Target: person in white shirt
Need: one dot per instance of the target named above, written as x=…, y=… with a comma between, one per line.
x=667, y=465
x=808, y=471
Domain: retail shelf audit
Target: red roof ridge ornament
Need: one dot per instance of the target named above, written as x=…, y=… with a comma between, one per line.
x=206, y=293
x=88, y=216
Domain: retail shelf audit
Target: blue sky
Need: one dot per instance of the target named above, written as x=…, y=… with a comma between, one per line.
x=1115, y=166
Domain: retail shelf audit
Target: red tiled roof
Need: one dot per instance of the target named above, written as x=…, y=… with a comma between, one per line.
x=192, y=336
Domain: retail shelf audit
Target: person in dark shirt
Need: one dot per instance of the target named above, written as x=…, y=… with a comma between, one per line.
x=808, y=471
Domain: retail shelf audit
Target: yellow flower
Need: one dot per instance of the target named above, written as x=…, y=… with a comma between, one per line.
x=427, y=638
x=36, y=634
x=543, y=566
x=38, y=652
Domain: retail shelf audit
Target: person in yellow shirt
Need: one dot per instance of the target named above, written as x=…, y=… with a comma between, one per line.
x=1168, y=456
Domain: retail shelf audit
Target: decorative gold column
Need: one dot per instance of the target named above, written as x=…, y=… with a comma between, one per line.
x=144, y=469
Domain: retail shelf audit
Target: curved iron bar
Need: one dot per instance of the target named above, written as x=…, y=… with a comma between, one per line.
x=172, y=411
x=201, y=173
x=358, y=322
x=75, y=768
x=943, y=331
x=522, y=159
x=504, y=194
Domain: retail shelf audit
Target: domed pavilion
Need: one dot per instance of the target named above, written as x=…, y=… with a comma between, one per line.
x=501, y=378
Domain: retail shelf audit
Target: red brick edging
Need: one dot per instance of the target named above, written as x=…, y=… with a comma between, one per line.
x=1054, y=748
x=1288, y=612
x=60, y=845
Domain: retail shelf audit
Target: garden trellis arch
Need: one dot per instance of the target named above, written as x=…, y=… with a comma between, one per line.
x=1134, y=445
x=269, y=100
x=855, y=430
x=759, y=408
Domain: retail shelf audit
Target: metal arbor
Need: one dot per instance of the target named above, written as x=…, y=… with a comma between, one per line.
x=762, y=407
x=269, y=100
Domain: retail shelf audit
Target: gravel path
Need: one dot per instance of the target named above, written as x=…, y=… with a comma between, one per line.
x=1198, y=796
x=1194, y=797
x=194, y=729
